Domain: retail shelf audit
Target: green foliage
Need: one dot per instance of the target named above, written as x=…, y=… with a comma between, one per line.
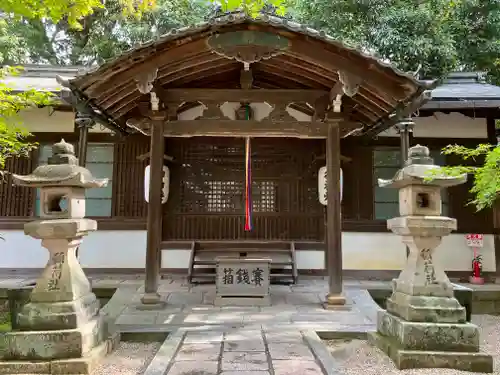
x=434, y=36
x=12, y=135
x=23, y=27
x=486, y=178
x=105, y=33
x=251, y=7
x=68, y=11
x=56, y=10
x=5, y=322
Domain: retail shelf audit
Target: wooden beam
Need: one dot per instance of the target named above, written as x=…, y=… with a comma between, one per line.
x=241, y=95
x=243, y=128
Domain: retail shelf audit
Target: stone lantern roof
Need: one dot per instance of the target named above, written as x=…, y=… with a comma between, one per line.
x=62, y=170
x=420, y=169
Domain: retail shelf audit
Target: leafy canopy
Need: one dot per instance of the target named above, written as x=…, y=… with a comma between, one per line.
x=70, y=10
x=13, y=137
x=486, y=184
x=252, y=7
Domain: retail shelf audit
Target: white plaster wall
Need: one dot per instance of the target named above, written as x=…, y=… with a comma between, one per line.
x=46, y=120
x=442, y=125
x=42, y=120
x=127, y=249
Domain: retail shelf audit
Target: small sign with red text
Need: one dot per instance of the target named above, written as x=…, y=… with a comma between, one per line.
x=474, y=240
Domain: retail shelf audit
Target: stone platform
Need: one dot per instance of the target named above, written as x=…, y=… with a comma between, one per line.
x=410, y=359
x=296, y=311
x=83, y=365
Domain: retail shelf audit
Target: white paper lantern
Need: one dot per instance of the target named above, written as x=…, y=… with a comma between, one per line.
x=323, y=188
x=165, y=184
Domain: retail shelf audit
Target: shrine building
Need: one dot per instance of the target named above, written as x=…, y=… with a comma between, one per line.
x=228, y=130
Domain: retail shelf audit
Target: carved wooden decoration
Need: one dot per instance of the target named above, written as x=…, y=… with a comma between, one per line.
x=248, y=46
x=280, y=113
x=321, y=107
x=350, y=83
x=145, y=81
x=246, y=79
x=211, y=111
x=337, y=103
x=154, y=109
x=244, y=112
x=155, y=101
x=172, y=109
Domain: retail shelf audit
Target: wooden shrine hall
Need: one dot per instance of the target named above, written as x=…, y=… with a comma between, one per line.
x=241, y=114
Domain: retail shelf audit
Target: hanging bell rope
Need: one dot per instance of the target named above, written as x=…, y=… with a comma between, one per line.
x=248, y=179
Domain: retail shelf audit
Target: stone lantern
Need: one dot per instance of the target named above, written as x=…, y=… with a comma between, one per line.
x=424, y=326
x=61, y=326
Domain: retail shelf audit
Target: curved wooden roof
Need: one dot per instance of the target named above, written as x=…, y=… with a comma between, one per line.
x=184, y=59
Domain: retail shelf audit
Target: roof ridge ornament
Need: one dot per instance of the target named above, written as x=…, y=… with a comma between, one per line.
x=248, y=46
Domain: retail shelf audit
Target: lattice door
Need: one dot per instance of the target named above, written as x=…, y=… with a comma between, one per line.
x=207, y=190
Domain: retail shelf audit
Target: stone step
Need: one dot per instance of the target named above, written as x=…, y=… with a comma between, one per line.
x=408, y=359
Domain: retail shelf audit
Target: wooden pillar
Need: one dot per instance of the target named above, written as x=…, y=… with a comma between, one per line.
x=405, y=129
x=154, y=222
x=333, y=218
x=494, y=139
x=83, y=124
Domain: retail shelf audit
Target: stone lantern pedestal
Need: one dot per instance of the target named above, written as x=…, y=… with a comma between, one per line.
x=60, y=330
x=424, y=326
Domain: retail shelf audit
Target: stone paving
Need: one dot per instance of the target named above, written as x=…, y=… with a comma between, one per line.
x=245, y=352
x=275, y=340
x=208, y=340
x=191, y=307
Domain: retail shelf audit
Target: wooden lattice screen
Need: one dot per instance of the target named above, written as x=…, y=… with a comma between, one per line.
x=128, y=182
x=206, y=200
x=15, y=200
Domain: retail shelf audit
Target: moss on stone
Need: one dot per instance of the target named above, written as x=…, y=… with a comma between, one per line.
x=5, y=324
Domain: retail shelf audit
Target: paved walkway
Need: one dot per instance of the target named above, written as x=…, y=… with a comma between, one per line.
x=281, y=339
x=244, y=352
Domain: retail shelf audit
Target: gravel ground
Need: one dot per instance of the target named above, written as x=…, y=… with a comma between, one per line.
x=358, y=357
x=130, y=358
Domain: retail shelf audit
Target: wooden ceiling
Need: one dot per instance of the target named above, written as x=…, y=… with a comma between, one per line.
x=184, y=59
